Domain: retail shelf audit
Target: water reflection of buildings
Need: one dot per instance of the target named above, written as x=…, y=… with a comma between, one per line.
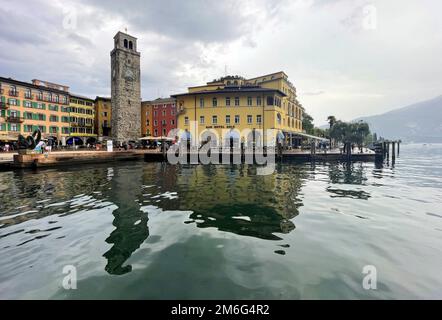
x=28, y=192
x=235, y=199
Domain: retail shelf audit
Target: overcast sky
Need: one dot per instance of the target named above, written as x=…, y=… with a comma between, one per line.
x=346, y=58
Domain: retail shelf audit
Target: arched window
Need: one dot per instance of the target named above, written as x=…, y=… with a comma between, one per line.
x=125, y=43
x=131, y=45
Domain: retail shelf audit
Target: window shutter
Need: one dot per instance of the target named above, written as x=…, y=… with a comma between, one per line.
x=19, y=127
x=43, y=106
x=3, y=99
x=34, y=105
x=9, y=127
x=18, y=103
x=18, y=114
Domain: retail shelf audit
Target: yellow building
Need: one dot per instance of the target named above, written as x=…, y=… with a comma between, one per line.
x=232, y=105
x=82, y=121
x=103, y=117
x=26, y=107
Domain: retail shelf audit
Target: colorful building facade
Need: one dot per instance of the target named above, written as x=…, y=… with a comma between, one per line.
x=231, y=105
x=159, y=117
x=103, y=117
x=146, y=119
x=82, y=121
x=26, y=107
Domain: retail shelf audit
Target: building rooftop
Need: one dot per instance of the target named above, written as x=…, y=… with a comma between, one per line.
x=160, y=101
x=233, y=90
x=32, y=85
x=81, y=97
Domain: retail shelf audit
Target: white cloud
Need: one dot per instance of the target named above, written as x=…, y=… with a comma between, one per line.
x=337, y=66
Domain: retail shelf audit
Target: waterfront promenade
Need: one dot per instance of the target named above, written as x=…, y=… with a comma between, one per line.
x=62, y=158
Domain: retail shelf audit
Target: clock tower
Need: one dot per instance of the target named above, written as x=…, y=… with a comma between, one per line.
x=126, y=89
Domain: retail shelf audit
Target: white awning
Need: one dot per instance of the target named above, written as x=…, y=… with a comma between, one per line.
x=305, y=135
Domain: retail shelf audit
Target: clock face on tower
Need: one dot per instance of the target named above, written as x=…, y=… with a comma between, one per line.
x=129, y=75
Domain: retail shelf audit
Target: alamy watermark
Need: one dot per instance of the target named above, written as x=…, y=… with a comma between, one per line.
x=369, y=17
x=255, y=147
x=70, y=19
x=70, y=280
x=370, y=281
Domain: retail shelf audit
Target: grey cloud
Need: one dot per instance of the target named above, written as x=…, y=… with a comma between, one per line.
x=197, y=20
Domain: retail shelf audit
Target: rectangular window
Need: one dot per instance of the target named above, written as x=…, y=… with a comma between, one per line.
x=201, y=102
x=258, y=101
x=228, y=101
x=2, y=126
x=164, y=132
x=164, y=113
x=249, y=119
x=237, y=101
x=14, y=127
x=53, y=118
x=154, y=113
x=237, y=119
x=65, y=130
x=249, y=101
x=105, y=114
x=27, y=104
x=214, y=120
x=172, y=122
x=12, y=102
x=270, y=101
x=28, y=128
x=156, y=132
x=164, y=122
x=215, y=102
x=28, y=116
x=53, y=130
x=259, y=119
x=202, y=120
x=155, y=123
x=186, y=121
x=227, y=119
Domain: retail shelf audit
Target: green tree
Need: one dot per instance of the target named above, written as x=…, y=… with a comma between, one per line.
x=331, y=121
x=307, y=123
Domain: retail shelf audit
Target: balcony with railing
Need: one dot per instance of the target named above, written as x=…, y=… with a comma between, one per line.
x=13, y=93
x=14, y=119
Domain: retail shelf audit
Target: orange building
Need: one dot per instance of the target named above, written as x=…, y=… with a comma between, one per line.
x=26, y=107
x=146, y=119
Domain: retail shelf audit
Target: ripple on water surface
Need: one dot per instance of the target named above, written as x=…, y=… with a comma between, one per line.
x=150, y=230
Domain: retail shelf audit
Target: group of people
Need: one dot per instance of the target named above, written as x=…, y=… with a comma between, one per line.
x=6, y=147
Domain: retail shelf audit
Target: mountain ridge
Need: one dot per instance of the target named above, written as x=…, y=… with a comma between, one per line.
x=418, y=122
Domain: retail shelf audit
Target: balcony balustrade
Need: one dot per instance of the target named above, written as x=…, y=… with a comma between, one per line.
x=14, y=119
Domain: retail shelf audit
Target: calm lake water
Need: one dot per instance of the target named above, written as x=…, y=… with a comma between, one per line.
x=138, y=230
